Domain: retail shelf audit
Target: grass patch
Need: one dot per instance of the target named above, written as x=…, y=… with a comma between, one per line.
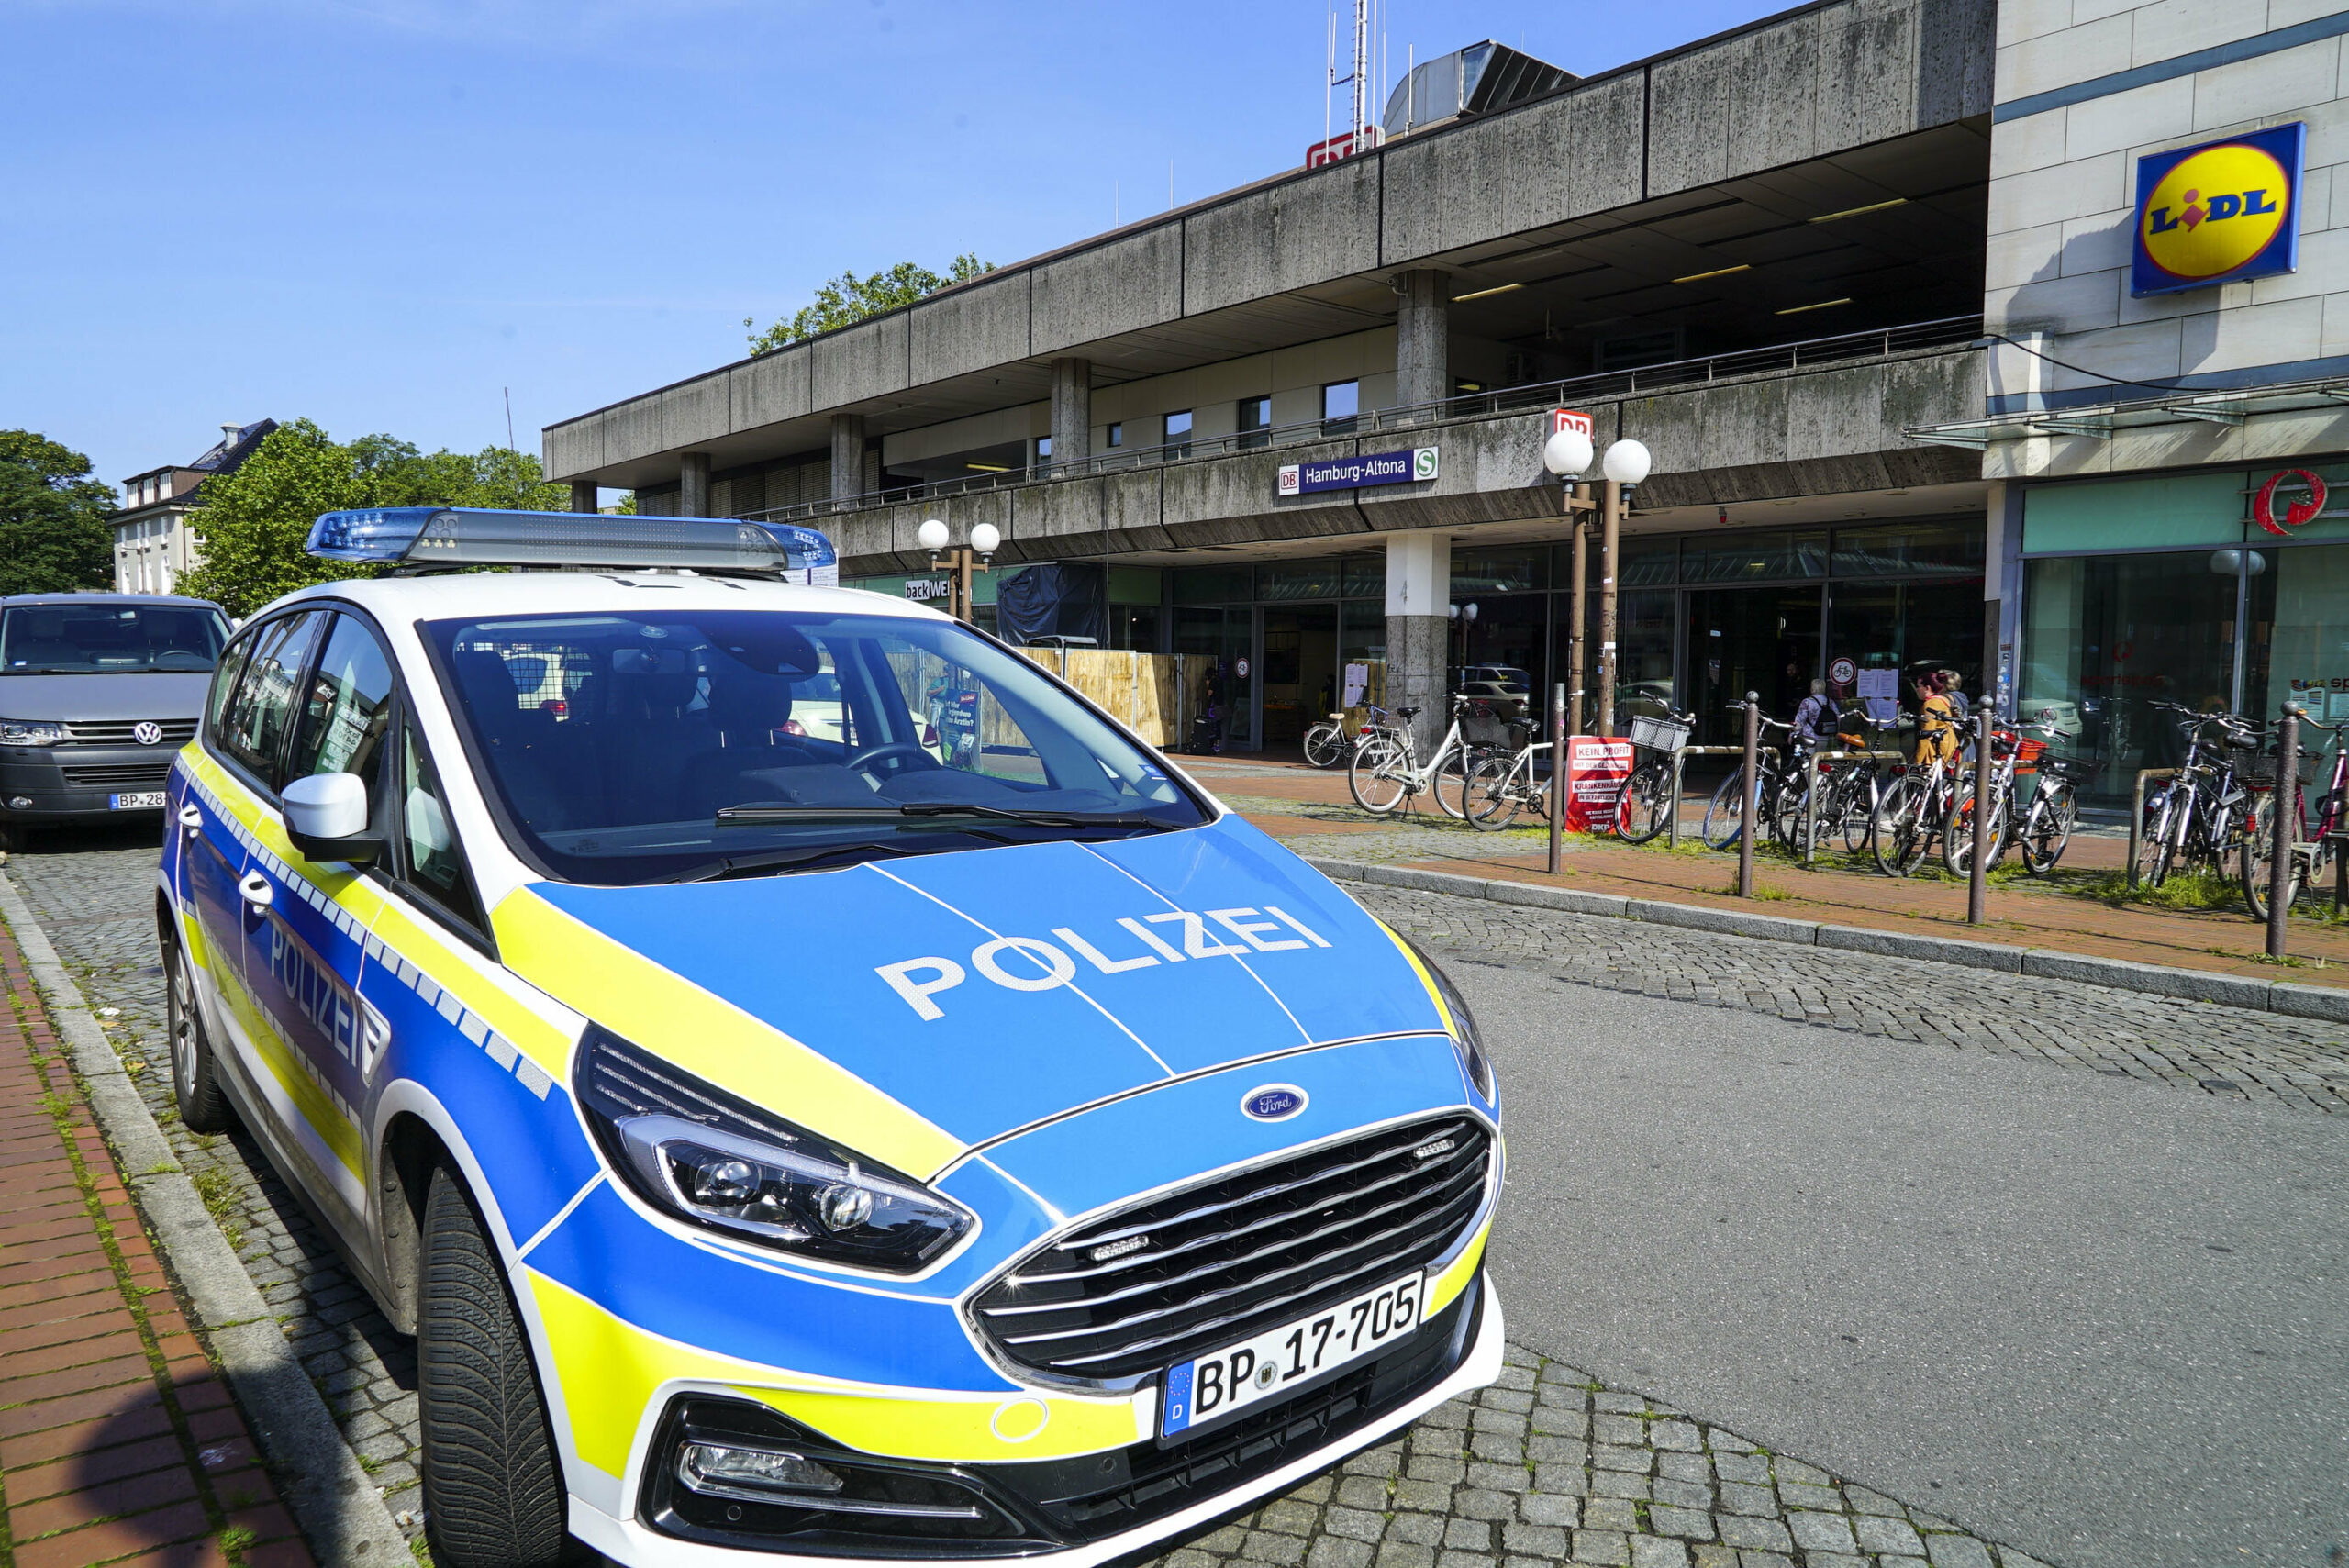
x=236, y=1541
x=220, y=1196
x=2185, y=892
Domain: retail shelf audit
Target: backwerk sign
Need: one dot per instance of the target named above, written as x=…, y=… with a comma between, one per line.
x=2218, y=213
x=1358, y=473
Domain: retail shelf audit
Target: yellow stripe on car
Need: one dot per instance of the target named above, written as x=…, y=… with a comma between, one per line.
x=1446, y=1287
x=611, y=1373
x=1435, y=993
x=709, y=1037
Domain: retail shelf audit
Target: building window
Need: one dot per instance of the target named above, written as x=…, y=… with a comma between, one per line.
x=1341, y=401
x=1256, y=417
x=1178, y=433
x=1044, y=451
x=1117, y=435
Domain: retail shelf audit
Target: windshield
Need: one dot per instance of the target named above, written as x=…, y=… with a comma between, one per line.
x=751, y=741
x=109, y=637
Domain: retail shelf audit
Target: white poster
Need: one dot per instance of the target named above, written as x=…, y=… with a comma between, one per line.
x=1880, y=694
x=1357, y=680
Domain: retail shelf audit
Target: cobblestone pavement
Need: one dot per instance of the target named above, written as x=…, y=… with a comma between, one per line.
x=2199, y=1046
x=1548, y=1466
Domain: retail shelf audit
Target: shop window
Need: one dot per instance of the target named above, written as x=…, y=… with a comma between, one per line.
x=1365, y=578
x=2303, y=654
x=1315, y=579
x=1482, y=572
x=1647, y=562
x=2134, y=514
x=1213, y=586
x=1910, y=550
x=1760, y=557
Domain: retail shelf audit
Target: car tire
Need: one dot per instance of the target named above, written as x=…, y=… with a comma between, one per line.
x=493, y=1495
x=196, y=1073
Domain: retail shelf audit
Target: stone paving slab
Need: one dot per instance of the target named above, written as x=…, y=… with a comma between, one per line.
x=119, y=1441
x=1550, y=1466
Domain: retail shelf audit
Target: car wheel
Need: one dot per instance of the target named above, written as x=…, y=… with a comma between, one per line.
x=195, y=1084
x=493, y=1495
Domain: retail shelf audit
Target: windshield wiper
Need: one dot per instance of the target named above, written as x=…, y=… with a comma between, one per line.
x=781, y=860
x=753, y=815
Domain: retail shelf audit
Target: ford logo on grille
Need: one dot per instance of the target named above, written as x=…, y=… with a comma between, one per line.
x=147, y=732
x=1274, y=1102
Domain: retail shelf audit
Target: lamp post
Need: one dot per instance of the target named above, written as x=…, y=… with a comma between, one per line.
x=1626, y=467
x=1464, y=618
x=1567, y=455
x=961, y=558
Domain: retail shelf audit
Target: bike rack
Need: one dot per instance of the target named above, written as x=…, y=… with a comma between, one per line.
x=1678, y=762
x=1811, y=796
x=2137, y=815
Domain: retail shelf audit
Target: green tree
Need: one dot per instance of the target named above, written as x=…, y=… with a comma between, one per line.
x=53, y=531
x=256, y=520
x=848, y=299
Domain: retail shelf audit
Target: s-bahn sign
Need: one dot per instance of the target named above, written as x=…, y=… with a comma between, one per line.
x=1358, y=473
x=2218, y=213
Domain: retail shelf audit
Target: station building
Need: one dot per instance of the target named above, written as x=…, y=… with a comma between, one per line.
x=1869, y=279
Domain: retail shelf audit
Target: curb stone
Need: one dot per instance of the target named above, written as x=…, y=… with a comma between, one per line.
x=324, y=1484
x=2119, y=974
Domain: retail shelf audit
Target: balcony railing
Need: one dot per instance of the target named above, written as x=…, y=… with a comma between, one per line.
x=1606, y=386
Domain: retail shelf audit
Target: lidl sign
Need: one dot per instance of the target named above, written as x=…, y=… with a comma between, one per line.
x=2218, y=213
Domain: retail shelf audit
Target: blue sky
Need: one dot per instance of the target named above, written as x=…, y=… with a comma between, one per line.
x=381, y=213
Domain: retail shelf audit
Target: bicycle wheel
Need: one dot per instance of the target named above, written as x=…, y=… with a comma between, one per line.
x=1491, y=801
x=1958, y=835
x=1725, y=814
x=1324, y=745
x=1378, y=777
x=1644, y=809
x=2152, y=844
x=2047, y=829
x=1857, y=814
x=1896, y=832
x=1786, y=801
x=1451, y=783
x=2259, y=860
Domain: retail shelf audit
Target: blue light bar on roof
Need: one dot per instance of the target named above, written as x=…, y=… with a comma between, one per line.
x=474, y=536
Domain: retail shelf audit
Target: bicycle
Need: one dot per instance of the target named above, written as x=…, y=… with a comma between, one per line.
x=1385, y=772
x=1774, y=778
x=2197, y=820
x=1329, y=742
x=2055, y=809
x=1851, y=790
x=1500, y=779
x=1912, y=812
x=2312, y=851
x=2012, y=755
x=1645, y=806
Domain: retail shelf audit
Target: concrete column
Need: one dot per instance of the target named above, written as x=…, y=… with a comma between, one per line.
x=848, y=456
x=692, y=485
x=1072, y=410
x=583, y=496
x=1418, y=630
x=1423, y=337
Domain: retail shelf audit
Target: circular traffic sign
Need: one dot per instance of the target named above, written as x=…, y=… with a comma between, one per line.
x=1843, y=672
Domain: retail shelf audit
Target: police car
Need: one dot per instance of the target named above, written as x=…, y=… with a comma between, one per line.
x=937, y=1131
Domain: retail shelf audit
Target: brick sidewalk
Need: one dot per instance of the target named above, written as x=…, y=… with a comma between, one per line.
x=118, y=1441
x=1324, y=821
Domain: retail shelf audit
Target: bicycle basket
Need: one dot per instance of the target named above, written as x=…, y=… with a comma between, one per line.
x=2260, y=769
x=2028, y=756
x=1482, y=725
x=1658, y=734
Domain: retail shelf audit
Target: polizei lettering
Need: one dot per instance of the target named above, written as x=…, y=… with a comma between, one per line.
x=1031, y=963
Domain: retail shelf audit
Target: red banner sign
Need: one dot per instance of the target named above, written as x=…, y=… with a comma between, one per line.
x=1597, y=770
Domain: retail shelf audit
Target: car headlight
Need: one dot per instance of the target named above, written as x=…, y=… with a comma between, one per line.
x=700, y=1153
x=1465, y=1038
x=31, y=732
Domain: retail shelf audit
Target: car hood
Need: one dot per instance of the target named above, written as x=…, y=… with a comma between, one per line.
x=84, y=698
x=913, y=1008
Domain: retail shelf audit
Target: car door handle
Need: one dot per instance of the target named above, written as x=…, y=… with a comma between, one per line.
x=255, y=889
x=192, y=818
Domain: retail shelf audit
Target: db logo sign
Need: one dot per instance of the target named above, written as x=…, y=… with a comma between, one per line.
x=1292, y=482
x=2301, y=494
x=1568, y=419
x=2218, y=213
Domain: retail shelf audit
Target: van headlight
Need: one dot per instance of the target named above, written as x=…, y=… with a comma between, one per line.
x=1465, y=1038
x=703, y=1155
x=31, y=732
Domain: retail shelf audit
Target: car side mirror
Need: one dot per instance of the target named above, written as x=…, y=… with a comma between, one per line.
x=326, y=818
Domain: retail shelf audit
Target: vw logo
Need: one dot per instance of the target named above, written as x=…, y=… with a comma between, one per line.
x=147, y=732
x=1273, y=1102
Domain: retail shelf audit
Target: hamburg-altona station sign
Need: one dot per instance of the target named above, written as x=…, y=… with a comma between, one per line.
x=1359, y=472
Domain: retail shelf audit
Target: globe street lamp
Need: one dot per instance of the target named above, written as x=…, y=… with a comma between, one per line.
x=1567, y=455
x=961, y=560
x=1626, y=466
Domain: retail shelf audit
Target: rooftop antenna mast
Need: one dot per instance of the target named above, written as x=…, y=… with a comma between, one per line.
x=1359, y=76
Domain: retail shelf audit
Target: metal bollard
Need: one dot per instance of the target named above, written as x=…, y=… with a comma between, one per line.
x=1679, y=760
x=1752, y=795
x=2288, y=829
x=1978, y=871
x=1557, y=771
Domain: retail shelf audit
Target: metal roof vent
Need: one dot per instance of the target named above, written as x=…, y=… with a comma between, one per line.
x=1478, y=80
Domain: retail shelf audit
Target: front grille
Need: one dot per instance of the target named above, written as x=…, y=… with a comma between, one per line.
x=177, y=733
x=1160, y=1282
x=120, y=775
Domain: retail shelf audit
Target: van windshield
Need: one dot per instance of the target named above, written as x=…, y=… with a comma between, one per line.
x=694, y=745
x=107, y=639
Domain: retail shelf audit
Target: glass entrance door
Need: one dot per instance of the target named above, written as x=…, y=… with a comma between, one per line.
x=1300, y=675
x=1750, y=639
x=1227, y=633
